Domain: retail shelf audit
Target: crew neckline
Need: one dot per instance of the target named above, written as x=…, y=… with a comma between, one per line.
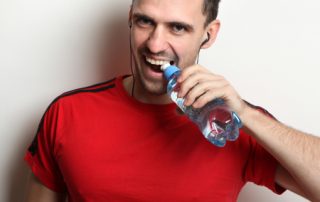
x=167, y=111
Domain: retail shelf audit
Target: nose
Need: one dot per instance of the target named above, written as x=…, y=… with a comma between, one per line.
x=157, y=41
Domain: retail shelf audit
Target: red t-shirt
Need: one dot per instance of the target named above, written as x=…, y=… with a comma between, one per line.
x=100, y=144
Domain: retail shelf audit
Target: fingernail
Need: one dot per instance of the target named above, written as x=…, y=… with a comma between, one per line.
x=180, y=95
x=186, y=103
x=195, y=105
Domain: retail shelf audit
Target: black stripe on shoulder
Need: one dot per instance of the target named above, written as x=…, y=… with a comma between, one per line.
x=86, y=90
x=102, y=83
x=93, y=88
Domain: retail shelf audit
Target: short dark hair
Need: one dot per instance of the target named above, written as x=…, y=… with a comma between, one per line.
x=210, y=9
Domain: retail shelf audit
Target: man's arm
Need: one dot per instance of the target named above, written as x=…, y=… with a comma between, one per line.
x=297, y=152
x=37, y=192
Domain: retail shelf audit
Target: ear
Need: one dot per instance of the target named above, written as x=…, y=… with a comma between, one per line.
x=213, y=30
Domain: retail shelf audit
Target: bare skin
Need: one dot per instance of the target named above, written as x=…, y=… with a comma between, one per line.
x=37, y=192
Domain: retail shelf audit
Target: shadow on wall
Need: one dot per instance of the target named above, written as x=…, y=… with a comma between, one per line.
x=19, y=172
x=112, y=59
x=113, y=55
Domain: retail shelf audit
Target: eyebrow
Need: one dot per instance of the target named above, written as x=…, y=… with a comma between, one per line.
x=186, y=25
x=136, y=16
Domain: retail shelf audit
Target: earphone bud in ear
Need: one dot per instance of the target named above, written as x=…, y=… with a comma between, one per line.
x=208, y=36
x=207, y=39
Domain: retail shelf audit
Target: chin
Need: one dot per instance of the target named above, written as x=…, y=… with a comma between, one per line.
x=152, y=85
x=156, y=88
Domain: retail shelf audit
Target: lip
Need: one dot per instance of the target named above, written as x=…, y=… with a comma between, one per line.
x=157, y=58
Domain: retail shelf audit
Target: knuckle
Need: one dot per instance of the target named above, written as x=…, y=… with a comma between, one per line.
x=189, y=97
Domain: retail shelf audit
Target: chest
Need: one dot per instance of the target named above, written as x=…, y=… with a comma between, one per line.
x=120, y=159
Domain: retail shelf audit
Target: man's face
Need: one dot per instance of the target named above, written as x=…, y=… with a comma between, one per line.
x=164, y=31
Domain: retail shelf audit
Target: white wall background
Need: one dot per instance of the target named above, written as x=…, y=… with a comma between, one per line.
x=268, y=49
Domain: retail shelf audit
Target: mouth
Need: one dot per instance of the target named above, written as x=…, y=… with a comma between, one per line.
x=156, y=64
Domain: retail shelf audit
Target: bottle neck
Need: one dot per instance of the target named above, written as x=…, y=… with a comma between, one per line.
x=170, y=71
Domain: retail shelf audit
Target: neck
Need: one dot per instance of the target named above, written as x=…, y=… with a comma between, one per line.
x=140, y=94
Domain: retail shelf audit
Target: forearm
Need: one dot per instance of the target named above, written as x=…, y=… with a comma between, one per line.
x=37, y=192
x=297, y=152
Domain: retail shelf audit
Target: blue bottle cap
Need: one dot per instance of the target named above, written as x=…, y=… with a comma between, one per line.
x=170, y=70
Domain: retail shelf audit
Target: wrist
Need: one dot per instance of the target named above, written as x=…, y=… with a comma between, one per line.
x=248, y=115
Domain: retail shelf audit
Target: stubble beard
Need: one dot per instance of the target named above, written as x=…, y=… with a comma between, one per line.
x=152, y=87
x=145, y=84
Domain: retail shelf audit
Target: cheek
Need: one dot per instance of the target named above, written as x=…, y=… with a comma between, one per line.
x=138, y=38
x=187, y=53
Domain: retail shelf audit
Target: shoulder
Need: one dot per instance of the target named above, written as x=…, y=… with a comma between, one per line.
x=92, y=94
x=68, y=107
x=78, y=99
x=83, y=93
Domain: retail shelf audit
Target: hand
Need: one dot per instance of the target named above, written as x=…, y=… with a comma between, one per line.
x=199, y=86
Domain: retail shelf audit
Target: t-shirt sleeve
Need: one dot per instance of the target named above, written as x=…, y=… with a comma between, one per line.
x=261, y=166
x=261, y=169
x=41, y=155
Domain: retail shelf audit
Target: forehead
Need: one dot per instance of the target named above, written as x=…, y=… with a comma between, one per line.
x=189, y=11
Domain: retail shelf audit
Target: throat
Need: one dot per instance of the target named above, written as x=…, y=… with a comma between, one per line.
x=139, y=92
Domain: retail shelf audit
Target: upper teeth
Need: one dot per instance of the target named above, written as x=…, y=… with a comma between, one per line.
x=157, y=62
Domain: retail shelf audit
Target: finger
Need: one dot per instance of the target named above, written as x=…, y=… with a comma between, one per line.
x=211, y=95
x=201, y=88
x=195, y=79
x=188, y=71
x=192, y=81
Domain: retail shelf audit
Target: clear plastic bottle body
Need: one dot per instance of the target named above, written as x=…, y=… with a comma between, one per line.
x=215, y=120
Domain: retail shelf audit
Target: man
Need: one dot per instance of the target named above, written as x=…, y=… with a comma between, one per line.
x=122, y=140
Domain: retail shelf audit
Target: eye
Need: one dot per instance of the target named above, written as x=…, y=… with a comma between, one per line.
x=178, y=28
x=144, y=22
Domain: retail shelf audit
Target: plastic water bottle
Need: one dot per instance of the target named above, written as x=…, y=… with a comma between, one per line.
x=215, y=120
